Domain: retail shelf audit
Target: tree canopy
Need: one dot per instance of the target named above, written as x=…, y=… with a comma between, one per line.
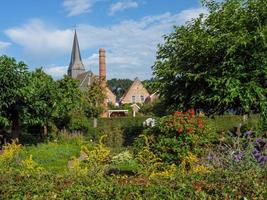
x=218, y=61
x=34, y=99
x=119, y=86
x=92, y=100
x=13, y=78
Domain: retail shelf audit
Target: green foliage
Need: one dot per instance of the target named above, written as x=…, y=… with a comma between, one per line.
x=33, y=102
x=156, y=108
x=125, y=161
x=67, y=100
x=78, y=122
x=148, y=84
x=92, y=100
x=120, y=131
x=39, y=99
x=119, y=86
x=175, y=135
x=53, y=156
x=13, y=77
x=218, y=61
x=66, y=169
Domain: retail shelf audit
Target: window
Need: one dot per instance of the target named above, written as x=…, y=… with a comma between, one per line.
x=142, y=98
x=133, y=99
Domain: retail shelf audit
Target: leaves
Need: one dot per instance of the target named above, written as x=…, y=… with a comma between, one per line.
x=216, y=62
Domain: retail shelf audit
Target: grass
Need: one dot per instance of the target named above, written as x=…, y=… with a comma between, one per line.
x=226, y=122
x=53, y=157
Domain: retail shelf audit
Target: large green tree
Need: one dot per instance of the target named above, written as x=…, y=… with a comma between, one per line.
x=39, y=100
x=13, y=78
x=33, y=99
x=68, y=99
x=48, y=102
x=218, y=61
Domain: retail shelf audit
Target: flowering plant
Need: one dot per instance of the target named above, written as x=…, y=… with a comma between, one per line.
x=175, y=135
x=183, y=122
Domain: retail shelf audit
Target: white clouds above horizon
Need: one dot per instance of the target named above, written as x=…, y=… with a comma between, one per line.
x=122, y=5
x=39, y=39
x=130, y=44
x=56, y=71
x=77, y=7
x=4, y=45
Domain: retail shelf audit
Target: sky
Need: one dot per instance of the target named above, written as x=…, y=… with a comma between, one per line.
x=40, y=32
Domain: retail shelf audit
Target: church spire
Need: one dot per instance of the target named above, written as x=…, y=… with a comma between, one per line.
x=76, y=66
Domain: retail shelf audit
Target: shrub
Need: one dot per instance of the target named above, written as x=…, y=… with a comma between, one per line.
x=175, y=135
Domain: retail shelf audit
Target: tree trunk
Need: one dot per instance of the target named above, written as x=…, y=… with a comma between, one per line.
x=45, y=131
x=95, y=123
x=15, y=129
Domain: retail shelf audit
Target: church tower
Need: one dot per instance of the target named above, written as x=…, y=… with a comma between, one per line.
x=76, y=66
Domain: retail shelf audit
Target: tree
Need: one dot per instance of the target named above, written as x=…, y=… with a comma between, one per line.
x=93, y=101
x=119, y=86
x=13, y=77
x=39, y=97
x=68, y=100
x=218, y=61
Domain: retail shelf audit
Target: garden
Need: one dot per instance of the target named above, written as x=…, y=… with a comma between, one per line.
x=182, y=157
x=209, y=139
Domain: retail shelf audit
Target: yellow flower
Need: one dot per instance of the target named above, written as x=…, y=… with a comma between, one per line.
x=10, y=151
x=201, y=169
x=29, y=166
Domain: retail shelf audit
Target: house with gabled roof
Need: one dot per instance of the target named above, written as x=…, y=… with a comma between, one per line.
x=136, y=93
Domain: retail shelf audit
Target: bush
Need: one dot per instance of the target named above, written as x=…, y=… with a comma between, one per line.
x=175, y=135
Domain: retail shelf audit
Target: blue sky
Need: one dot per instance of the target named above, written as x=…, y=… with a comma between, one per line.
x=40, y=32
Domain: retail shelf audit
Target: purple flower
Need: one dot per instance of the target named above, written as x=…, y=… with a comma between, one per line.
x=256, y=154
x=262, y=160
x=238, y=157
x=210, y=157
x=260, y=141
x=248, y=133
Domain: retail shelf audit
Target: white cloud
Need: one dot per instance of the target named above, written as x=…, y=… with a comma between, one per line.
x=77, y=7
x=41, y=40
x=4, y=45
x=122, y=5
x=56, y=71
x=131, y=45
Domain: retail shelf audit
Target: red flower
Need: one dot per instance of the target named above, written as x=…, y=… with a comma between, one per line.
x=180, y=129
x=178, y=114
x=191, y=112
x=200, y=122
x=190, y=129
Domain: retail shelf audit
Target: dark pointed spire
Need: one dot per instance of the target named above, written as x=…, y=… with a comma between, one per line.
x=76, y=66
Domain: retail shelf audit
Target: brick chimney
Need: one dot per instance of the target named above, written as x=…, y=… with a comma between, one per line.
x=102, y=66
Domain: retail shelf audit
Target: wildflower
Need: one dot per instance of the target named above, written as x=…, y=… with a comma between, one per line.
x=200, y=122
x=262, y=160
x=210, y=157
x=256, y=154
x=190, y=129
x=191, y=112
x=178, y=114
x=248, y=132
x=238, y=157
x=180, y=129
